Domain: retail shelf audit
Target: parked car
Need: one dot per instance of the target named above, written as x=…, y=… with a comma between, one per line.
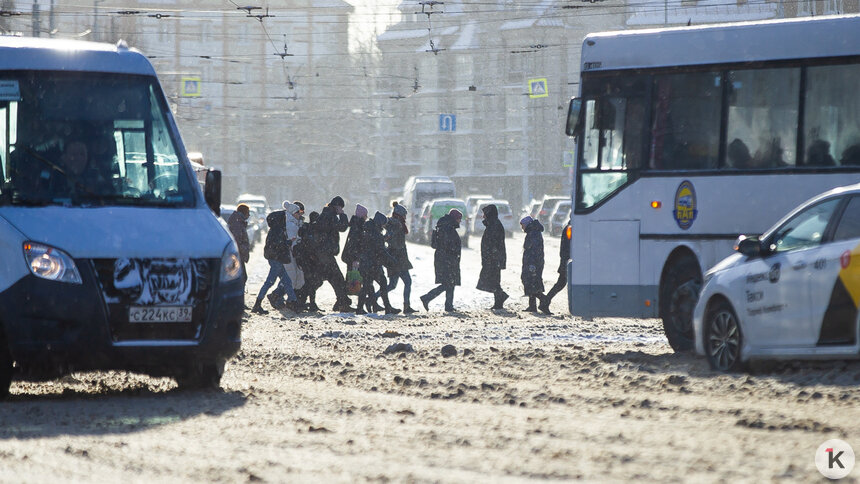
x=260, y=206
x=421, y=189
x=506, y=216
x=435, y=209
x=253, y=231
x=790, y=293
x=546, y=206
x=559, y=217
x=472, y=201
x=531, y=209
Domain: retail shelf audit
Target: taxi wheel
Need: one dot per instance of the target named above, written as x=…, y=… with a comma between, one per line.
x=5, y=367
x=201, y=376
x=679, y=296
x=723, y=338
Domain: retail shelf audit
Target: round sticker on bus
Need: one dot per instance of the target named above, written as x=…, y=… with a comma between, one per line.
x=685, y=205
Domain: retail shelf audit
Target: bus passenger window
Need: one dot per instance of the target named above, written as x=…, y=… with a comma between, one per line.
x=763, y=115
x=832, y=115
x=686, y=121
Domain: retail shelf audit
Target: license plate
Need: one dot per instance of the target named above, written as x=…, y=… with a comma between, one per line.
x=159, y=314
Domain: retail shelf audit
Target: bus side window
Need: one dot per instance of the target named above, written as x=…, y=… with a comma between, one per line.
x=763, y=114
x=686, y=122
x=832, y=115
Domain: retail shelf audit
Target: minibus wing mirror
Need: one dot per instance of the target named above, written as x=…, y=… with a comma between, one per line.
x=212, y=191
x=574, y=116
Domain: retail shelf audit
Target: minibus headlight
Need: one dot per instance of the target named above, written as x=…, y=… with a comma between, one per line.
x=51, y=263
x=231, y=264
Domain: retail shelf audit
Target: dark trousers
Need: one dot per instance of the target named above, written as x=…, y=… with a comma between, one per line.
x=367, y=296
x=449, y=295
x=559, y=285
x=392, y=284
x=330, y=271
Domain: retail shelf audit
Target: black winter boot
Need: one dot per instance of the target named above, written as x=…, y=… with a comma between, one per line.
x=258, y=308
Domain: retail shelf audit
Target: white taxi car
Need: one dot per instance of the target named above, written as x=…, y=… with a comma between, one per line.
x=791, y=293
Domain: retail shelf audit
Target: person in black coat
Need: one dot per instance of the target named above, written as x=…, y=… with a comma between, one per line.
x=564, y=256
x=306, y=257
x=395, y=236
x=493, y=256
x=331, y=222
x=533, y=260
x=446, y=260
x=371, y=261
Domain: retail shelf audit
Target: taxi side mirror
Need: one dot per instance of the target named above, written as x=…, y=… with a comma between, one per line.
x=748, y=246
x=212, y=191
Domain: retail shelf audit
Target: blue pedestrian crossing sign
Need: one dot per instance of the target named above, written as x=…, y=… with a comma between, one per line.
x=447, y=122
x=538, y=88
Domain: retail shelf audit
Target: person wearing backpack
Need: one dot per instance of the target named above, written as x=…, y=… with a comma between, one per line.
x=395, y=236
x=446, y=260
x=277, y=253
x=352, y=246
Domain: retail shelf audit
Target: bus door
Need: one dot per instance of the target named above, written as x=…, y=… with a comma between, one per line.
x=614, y=262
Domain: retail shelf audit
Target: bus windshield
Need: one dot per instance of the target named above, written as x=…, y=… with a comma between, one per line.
x=88, y=139
x=614, y=118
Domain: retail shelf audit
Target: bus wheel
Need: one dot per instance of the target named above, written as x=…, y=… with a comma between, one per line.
x=679, y=296
x=5, y=367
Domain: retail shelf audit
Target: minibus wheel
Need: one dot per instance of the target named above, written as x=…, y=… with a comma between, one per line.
x=201, y=376
x=6, y=367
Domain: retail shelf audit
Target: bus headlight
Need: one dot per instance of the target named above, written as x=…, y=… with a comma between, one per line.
x=51, y=263
x=231, y=264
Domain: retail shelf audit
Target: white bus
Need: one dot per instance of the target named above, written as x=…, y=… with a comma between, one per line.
x=689, y=137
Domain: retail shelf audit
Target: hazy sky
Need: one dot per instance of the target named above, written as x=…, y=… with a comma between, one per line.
x=370, y=18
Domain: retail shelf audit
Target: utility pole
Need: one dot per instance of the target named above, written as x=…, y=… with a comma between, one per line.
x=37, y=27
x=52, y=25
x=96, y=3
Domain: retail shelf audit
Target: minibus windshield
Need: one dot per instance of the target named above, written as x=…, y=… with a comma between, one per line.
x=85, y=139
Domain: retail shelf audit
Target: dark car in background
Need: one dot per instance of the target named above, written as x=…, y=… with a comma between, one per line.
x=547, y=204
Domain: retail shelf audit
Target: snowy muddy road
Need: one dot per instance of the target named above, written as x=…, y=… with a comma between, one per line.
x=316, y=397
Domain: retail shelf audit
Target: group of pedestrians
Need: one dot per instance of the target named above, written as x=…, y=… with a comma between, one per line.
x=302, y=257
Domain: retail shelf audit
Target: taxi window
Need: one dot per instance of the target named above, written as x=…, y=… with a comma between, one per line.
x=804, y=229
x=849, y=225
